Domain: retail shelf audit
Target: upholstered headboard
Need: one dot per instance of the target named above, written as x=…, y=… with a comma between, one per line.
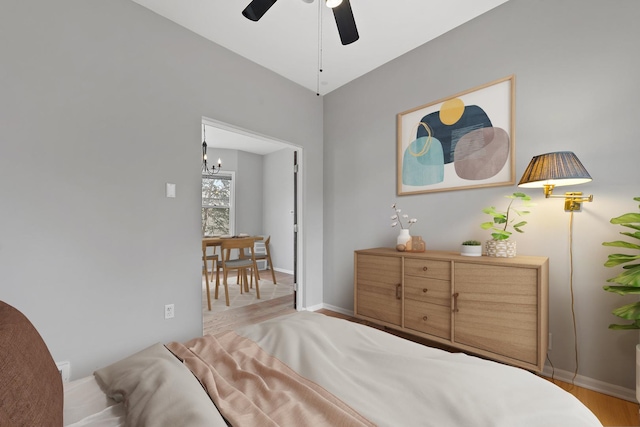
x=31, y=391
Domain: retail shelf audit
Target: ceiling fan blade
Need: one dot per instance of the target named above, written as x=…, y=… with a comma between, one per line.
x=257, y=8
x=346, y=23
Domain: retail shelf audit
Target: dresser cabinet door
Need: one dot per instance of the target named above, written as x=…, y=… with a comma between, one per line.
x=379, y=288
x=496, y=309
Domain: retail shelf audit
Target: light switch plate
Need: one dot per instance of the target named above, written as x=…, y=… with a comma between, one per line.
x=171, y=190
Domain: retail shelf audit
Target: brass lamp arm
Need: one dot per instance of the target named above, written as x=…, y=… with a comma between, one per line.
x=572, y=200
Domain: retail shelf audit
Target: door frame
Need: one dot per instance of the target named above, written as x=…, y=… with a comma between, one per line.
x=299, y=285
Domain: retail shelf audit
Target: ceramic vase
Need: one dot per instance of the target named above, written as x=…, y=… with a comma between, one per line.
x=403, y=243
x=501, y=248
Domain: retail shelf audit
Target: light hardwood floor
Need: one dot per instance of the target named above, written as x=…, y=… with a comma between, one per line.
x=611, y=411
x=218, y=321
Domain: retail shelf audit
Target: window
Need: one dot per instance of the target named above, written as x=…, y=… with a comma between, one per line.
x=217, y=204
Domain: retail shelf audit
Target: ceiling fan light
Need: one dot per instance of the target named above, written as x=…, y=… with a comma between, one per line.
x=333, y=3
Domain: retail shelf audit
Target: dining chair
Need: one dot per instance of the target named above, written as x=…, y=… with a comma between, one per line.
x=214, y=266
x=241, y=264
x=266, y=256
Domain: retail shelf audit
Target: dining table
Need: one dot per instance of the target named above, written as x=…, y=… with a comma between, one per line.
x=209, y=241
x=217, y=240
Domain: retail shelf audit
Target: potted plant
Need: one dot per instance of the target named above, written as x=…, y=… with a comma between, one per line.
x=627, y=282
x=471, y=248
x=501, y=245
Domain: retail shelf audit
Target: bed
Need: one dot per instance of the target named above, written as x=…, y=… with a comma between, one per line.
x=303, y=369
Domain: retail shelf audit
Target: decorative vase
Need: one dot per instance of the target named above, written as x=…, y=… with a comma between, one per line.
x=501, y=248
x=417, y=244
x=471, y=250
x=403, y=243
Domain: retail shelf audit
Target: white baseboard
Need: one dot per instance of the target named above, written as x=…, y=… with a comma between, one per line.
x=282, y=270
x=336, y=309
x=314, y=307
x=329, y=307
x=591, y=384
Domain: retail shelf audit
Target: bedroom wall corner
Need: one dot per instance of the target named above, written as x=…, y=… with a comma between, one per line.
x=576, y=87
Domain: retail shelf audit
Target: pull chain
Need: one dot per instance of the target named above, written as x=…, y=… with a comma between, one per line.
x=319, y=47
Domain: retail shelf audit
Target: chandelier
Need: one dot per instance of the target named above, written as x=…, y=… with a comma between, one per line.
x=205, y=169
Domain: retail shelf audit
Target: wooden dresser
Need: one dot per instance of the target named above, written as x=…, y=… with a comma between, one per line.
x=493, y=307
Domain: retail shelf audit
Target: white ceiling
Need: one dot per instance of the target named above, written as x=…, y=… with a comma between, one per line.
x=287, y=38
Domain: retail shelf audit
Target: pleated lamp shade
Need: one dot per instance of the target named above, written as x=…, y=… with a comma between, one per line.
x=557, y=169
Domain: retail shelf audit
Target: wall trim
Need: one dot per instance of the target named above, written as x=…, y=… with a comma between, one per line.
x=592, y=384
x=336, y=309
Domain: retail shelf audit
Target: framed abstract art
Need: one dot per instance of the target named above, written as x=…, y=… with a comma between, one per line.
x=459, y=142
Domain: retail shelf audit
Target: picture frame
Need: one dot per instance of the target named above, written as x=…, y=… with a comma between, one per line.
x=460, y=142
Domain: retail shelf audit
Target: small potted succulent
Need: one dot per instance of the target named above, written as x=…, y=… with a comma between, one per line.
x=501, y=245
x=471, y=248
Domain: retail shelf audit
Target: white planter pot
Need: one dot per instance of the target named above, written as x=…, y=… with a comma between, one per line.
x=468, y=250
x=501, y=248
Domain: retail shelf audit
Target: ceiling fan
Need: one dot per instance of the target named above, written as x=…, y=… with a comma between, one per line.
x=341, y=12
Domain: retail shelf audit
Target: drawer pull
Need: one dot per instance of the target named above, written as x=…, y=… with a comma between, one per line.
x=425, y=268
x=399, y=291
x=424, y=318
x=455, y=302
x=425, y=290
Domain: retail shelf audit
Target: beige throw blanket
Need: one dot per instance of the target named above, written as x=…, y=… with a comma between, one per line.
x=252, y=388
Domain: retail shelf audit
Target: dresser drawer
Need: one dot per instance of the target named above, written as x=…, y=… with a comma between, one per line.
x=426, y=289
x=428, y=318
x=427, y=268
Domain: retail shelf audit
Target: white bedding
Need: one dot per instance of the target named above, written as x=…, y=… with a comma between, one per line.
x=391, y=381
x=395, y=382
x=85, y=404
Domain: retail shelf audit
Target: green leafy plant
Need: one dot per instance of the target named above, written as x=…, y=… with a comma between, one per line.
x=503, y=219
x=628, y=281
x=471, y=243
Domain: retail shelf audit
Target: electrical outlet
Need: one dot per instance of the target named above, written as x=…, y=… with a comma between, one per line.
x=169, y=311
x=65, y=370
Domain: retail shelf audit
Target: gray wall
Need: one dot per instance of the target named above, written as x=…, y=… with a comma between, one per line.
x=101, y=104
x=249, y=194
x=577, y=89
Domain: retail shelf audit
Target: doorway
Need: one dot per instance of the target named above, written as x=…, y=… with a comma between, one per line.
x=266, y=195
